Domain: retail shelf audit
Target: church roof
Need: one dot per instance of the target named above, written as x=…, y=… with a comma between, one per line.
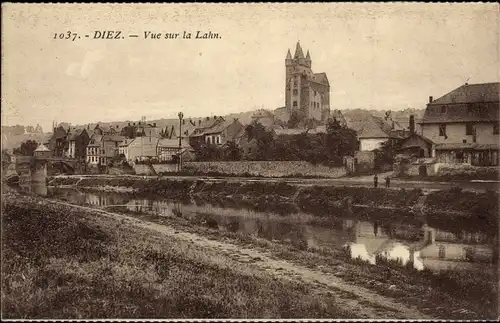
x=298, y=51
x=288, y=55
x=320, y=78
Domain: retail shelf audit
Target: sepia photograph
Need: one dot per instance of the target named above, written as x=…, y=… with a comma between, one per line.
x=250, y=161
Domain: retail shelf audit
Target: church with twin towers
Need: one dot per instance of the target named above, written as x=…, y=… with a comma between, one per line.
x=306, y=93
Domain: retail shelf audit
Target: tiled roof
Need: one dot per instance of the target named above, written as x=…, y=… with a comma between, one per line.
x=116, y=138
x=471, y=93
x=172, y=143
x=75, y=133
x=468, y=103
x=375, y=127
x=320, y=78
x=261, y=113
x=468, y=145
x=219, y=127
x=126, y=142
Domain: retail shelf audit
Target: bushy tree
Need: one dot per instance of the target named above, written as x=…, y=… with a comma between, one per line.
x=27, y=148
x=386, y=153
x=294, y=120
x=232, y=151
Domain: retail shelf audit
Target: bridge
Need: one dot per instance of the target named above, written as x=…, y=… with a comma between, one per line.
x=34, y=168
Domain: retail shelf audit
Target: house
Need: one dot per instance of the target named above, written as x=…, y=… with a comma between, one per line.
x=168, y=148
x=464, y=125
x=78, y=139
x=264, y=117
x=58, y=142
x=102, y=148
x=415, y=144
x=375, y=131
x=215, y=131
x=139, y=148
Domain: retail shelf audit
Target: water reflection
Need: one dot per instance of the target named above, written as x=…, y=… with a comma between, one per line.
x=372, y=241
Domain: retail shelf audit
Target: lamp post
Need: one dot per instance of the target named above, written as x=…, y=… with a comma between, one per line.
x=181, y=115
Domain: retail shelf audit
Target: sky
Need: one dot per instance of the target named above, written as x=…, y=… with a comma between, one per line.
x=382, y=56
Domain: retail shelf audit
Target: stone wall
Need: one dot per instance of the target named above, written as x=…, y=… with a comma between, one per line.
x=144, y=170
x=266, y=168
x=165, y=168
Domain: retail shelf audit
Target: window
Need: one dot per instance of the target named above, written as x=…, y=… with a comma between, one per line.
x=469, y=129
x=443, y=109
x=441, y=252
x=470, y=108
x=495, y=128
x=294, y=104
x=295, y=92
x=442, y=130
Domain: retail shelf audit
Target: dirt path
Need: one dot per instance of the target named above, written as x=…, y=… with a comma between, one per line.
x=353, y=298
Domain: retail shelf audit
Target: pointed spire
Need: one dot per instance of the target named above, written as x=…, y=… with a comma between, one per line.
x=308, y=56
x=298, y=51
x=289, y=55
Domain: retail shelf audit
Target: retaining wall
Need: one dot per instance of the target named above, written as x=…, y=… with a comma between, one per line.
x=266, y=168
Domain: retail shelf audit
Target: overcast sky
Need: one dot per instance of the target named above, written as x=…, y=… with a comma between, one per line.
x=376, y=56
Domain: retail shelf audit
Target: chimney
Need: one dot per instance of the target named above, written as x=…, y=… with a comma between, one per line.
x=412, y=123
x=154, y=124
x=215, y=117
x=129, y=124
x=199, y=122
x=430, y=99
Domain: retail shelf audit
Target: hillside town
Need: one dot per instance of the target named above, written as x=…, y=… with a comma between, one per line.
x=459, y=128
x=350, y=174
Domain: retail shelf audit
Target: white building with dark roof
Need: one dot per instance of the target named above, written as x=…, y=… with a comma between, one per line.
x=464, y=125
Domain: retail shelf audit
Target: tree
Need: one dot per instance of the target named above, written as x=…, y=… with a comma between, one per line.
x=340, y=141
x=386, y=153
x=264, y=140
x=232, y=151
x=5, y=158
x=27, y=148
x=294, y=120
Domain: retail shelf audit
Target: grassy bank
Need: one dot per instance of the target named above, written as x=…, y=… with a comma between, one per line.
x=59, y=262
x=448, y=294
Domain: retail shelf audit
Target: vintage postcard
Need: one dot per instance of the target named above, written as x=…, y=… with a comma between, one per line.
x=250, y=161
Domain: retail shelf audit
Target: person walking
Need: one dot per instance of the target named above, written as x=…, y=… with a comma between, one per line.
x=375, y=181
x=387, y=182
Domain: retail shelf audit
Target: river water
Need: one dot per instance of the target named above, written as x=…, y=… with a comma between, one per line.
x=431, y=248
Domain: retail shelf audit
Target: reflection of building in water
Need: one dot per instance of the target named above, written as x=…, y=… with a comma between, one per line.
x=103, y=199
x=369, y=242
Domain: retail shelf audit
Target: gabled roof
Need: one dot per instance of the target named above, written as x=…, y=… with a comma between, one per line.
x=471, y=93
x=468, y=103
x=116, y=138
x=320, y=78
x=375, y=127
x=75, y=133
x=219, y=127
x=261, y=113
x=172, y=143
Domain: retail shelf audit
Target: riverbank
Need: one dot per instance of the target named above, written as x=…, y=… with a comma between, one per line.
x=318, y=199
x=122, y=258
x=64, y=262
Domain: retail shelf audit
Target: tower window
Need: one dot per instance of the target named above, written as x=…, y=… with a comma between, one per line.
x=295, y=91
x=294, y=104
x=468, y=129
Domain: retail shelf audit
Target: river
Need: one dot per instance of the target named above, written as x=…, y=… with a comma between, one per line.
x=422, y=245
